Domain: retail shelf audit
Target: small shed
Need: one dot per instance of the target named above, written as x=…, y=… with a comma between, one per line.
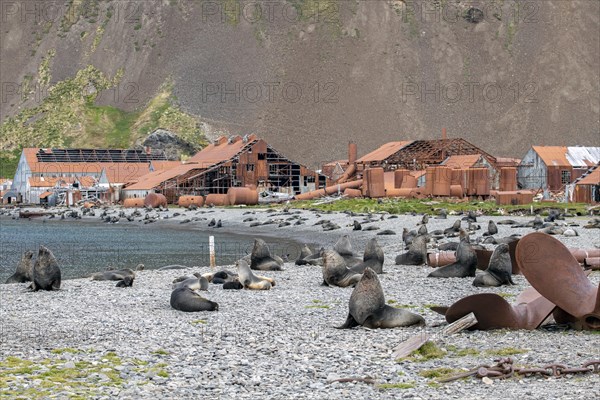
x=586, y=188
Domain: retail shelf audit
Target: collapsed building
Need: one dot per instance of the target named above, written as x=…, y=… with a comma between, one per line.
x=228, y=163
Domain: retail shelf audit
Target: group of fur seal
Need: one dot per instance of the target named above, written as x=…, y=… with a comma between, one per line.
x=44, y=274
x=342, y=268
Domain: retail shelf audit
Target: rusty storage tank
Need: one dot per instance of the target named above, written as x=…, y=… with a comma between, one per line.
x=429, y=180
x=439, y=259
x=525, y=196
x=507, y=198
x=456, y=191
x=508, y=179
x=217, y=200
x=352, y=193
x=409, y=182
x=399, y=175
x=186, y=201
x=242, y=195
x=441, y=183
x=133, y=202
x=404, y=193
x=482, y=181
x=375, y=182
x=155, y=200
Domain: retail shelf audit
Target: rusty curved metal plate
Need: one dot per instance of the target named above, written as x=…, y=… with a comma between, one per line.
x=494, y=312
x=555, y=273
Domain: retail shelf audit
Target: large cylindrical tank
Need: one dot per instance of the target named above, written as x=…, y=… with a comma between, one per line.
x=508, y=179
x=186, y=201
x=441, y=183
x=133, y=202
x=242, y=195
x=352, y=193
x=375, y=182
x=482, y=181
x=399, y=175
x=155, y=200
x=456, y=191
x=217, y=200
x=429, y=180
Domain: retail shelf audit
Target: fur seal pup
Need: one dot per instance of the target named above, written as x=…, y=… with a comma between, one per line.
x=46, y=273
x=233, y=286
x=416, y=254
x=344, y=248
x=367, y=307
x=185, y=299
x=356, y=226
x=373, y=258
x=261, y=258
x=251, y=281
x=492, y=229
x=221, y=277
x=499, y=270
x=24, y=269
x=127, y=281
x=113, y=275
x=465, y=264
x=335, y=271
x=455, y=228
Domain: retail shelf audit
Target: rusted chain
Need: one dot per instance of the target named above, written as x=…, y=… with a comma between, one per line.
x=505, y=369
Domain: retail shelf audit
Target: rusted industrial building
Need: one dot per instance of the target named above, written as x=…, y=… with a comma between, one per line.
x=586, y=188
x=229, y=162
x=110, y=167
x=418, y=154
x=553, y=167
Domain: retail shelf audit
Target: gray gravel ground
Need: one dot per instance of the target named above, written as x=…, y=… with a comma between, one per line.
x=277, y=344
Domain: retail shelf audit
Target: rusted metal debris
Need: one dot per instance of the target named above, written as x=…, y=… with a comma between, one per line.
x=559, y=287
x=504, y=368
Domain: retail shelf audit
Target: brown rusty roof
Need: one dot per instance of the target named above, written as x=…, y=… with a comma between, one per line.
x=163, y=165
x=593, y=177
x=37, y=181
x=154, y=179
x=462, y=161
x=222, y=151
x=384, y=151
x=553, y=155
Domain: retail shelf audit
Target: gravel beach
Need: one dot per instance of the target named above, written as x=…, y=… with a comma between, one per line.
x=92, y=339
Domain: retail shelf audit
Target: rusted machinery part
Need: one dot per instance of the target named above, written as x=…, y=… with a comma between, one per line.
x=349, y=173
x=242, y=195
x=494, y=312
x=440, y=258
x=315, y=194
x=592, y=263
x=133, y=202
x=581, y=254
x=352, y=193
x=155, y=200
x=216, y=200
x=186, y=201
x=555, y=273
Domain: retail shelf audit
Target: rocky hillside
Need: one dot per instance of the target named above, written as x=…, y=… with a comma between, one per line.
x=306, y=75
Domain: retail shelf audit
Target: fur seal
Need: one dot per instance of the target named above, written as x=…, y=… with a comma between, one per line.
x=455, y=228
x=251, y=281
x=233, y=286
x=499, y=270
x=185, y=299
x=261, y=258
x=492, y=229
x=465, y=264
x=46, y=273
x=373, y=258
x=24, y=269
x=127, y=281
x=113, y=275
x=335, y=271
x=221, y=277
x=367, y=307
x=193, y=282
x=344, y=248
x=416, y=254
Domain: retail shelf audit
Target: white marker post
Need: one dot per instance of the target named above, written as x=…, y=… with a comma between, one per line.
x=211, y=250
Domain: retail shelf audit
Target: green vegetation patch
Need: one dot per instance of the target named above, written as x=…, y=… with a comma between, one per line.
x=400, y=385
x=442, y=372
x=428, y=351
x=505, y=352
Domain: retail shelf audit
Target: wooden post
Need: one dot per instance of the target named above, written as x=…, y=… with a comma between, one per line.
x=211, y=250
x=459, y=325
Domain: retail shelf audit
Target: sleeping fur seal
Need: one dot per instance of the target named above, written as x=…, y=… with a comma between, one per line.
x=46, y=273
x=261, y=258
x=373, y=258
x=113, y=275
x=344, y=248
x=499, y=270
x=251, y=281
x=465, y=264
x=186, y=299
x=367, y=307
x=220, y=277
x=335, y=271
x=192, y=282
x=417, y=253
x=24, y=269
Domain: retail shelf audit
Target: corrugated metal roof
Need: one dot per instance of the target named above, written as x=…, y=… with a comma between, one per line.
x=154, y=179
x=38, y=181
x=216, y=153
x=384, y=151
x=592, y=179
x=163, y=165
x=463, y=161
x=568, y=156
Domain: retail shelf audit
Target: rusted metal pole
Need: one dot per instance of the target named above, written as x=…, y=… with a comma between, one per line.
x=211, y=251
